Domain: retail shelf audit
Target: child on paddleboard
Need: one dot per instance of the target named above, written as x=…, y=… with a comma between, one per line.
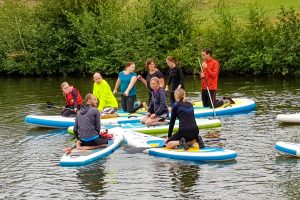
x=73, y=100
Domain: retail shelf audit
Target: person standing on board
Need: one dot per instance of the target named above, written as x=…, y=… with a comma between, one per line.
x=127, y=80
x=87, y=126
x=209, y=75
x=188, y=132
x=73, y=100
x=106, y=99
x=152, y=72
x=175, y=78
x=158, y=109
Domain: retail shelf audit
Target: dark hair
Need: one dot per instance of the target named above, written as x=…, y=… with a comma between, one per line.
x=207, y=50
x=172, y=59
x=149, y=61
x=129, y=64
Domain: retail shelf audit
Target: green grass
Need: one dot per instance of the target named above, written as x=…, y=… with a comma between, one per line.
x=206, y=9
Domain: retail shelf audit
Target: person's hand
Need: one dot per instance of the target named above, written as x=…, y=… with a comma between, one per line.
x=167, y=88
x=126, y=93
x=139, y=77
x=204, y=65
x=115, y=91
x=148, y=114
x=63, y=107
x=202, y=75
x=179, y=86
x=75, y=110
x=153, y=116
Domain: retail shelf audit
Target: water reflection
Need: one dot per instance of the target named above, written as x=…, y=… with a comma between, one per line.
x=92, y=177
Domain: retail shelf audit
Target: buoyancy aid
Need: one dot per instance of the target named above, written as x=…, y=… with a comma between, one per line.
x=70, y=99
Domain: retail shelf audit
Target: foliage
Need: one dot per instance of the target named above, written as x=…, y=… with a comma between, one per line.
x=79, y=36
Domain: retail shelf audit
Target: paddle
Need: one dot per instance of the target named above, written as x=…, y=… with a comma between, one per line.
x=212, y=105
x=51, y=105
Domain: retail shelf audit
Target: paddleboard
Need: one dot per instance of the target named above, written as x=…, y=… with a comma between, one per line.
x=57, y=121
x=241, y=105
x=207, y=154
x=80, y=158
x=142, y=128
x=288, y=148
x=289, y=118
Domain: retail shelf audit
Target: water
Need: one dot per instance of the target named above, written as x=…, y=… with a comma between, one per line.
x=29, y=156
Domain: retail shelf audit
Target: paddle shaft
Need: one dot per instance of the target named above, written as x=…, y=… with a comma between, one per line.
x=212, y=105
x=51, y=105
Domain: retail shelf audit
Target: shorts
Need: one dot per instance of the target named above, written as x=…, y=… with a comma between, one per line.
x=96, y=142
x=187, y=135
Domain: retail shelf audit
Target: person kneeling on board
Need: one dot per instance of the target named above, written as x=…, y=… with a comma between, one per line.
x=73, y=100
x=188, y=132
x=158, y=109
x=87, y=126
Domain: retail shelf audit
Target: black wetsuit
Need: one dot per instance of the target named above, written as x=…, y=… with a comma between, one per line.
x=175, y=79
x=188, y=128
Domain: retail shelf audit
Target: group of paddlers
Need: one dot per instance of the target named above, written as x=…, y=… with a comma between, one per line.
x=87, y=123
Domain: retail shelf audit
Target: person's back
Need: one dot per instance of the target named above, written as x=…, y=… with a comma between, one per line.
x=184, y=111
x=88, y=122
x=87, y=126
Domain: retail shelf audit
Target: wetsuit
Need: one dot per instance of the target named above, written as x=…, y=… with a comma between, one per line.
x=157, y=74
x=175, y=79
x=158, y=104
x=87, y=126
x=188, y=128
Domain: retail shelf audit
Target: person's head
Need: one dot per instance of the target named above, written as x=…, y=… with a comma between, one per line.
x=154, y=83
x=150, y=64
x=171, y=61
x=90, y=99
x=130, y=66
x=97, y=77
x=206, y=53
x=65, y=87
x=179, y=95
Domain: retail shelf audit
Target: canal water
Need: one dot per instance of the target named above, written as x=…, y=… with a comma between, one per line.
x=29, y=155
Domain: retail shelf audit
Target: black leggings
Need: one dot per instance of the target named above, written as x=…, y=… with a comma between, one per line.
x=206, y=100
x=127, y=104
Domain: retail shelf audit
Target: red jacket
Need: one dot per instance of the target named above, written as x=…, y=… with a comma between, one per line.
x=73, y=98
x=211, y=73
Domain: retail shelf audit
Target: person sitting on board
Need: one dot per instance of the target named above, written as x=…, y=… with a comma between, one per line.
x=152, y=72
x=209, y=75
x=108, y=104
x=158, y=109
x=127, y=82
x=73, y=100
x=188, y=132
x=87, y=126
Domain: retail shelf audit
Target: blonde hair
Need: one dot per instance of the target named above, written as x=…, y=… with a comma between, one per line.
x=154, y=79
x=180, y=94
x=64, y=84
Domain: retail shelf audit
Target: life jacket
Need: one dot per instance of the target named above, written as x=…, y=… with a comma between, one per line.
x=70, y=99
